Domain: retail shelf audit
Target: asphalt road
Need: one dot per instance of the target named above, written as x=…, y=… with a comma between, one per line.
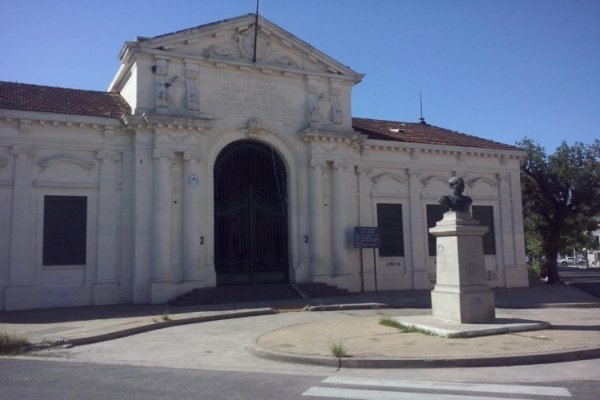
x=54, y=380
x=217, y=366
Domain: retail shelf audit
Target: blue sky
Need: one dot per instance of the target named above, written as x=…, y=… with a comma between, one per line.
x=501, y=70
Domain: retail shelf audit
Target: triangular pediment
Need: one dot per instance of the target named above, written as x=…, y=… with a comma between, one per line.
x=232, y=41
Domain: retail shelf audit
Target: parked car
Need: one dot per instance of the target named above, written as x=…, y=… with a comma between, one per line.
x=565, y=260
x=570, y=260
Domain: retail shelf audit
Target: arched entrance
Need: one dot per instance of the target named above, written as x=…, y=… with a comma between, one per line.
x=251, y=234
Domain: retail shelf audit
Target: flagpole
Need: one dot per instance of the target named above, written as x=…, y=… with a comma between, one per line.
x=255, y=32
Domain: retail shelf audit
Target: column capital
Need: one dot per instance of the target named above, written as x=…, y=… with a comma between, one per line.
x=108, y=155
x=163, y=153
x=415, y=173
x=318, y=163
x=340, y=164
x=503, y=177
x=192, y=155
x=362, y=170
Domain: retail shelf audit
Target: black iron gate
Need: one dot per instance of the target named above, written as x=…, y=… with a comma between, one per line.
x=251, y=238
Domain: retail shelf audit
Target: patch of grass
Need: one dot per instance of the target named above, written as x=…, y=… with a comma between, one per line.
x=11, y=343
x=387, y=321
x=338, y=349
x=163, y=318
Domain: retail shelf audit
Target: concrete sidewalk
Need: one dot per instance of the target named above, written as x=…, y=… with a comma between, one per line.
x=574, y=315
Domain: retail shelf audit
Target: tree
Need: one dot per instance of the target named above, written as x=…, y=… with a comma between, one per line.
x=561, y=198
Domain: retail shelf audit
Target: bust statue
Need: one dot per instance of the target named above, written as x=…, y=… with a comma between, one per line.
x=456, y=201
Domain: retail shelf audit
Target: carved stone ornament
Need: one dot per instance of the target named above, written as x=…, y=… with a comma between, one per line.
x=253, y=126
x=245, y=43
x=220, y=50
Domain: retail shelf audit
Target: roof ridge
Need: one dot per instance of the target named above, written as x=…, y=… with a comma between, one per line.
x=416, y=132
x=60, y=100
x=56, y=87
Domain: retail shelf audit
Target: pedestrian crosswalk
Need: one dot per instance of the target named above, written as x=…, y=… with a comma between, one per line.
x=389, y=389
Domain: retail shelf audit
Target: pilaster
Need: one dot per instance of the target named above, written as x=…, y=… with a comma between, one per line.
x=22, y=250
x=192, y=240
x=418, y=236
x=161, y=213
x=316, y=216
x=21, y=292
x=338, y=220
x=107, y=265
x=517, y=276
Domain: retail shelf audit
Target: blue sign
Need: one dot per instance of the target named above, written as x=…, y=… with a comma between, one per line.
x=366, y=237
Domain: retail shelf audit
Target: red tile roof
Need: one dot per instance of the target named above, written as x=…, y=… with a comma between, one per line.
x=412, y=132
x=26, y=97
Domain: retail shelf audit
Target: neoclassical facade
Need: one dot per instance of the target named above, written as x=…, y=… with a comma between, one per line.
x=212, y=161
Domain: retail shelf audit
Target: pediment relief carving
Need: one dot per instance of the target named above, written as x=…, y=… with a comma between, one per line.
x=269, y=52
x=233, y=40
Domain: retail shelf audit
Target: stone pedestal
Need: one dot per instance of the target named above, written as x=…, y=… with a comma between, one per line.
x=461, y=294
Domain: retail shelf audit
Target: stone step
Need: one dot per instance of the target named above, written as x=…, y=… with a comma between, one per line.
x=258, y=292
x=318, y=289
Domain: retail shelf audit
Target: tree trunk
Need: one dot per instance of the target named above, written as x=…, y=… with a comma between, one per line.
x=552, y=269
x=551, y=252
x=551, y=264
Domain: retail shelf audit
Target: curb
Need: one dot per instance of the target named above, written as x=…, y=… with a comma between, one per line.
x=167, y=324
x=497, y=361
x=354, y=306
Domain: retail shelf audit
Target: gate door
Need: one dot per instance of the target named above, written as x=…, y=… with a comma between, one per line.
x=251, y=237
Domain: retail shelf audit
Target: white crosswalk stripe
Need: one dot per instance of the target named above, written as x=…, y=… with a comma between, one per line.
x=451, y=390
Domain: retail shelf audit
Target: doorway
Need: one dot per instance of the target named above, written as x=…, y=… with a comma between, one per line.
x=251, y=232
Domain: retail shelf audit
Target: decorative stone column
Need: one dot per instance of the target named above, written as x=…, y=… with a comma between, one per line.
x=191, y=217
x=338, y=221
x=161, y=212
x=461, y=294
x=316, y=216
x=106, y=280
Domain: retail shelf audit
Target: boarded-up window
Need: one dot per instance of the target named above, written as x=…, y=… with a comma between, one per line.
x=485, y=216
x=435, y=212
x=389, y=222
x=65, y=224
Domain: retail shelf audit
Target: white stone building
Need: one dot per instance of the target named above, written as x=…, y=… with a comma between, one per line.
x=210, y=162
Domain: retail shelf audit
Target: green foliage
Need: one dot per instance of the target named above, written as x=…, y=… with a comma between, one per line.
x=387, y=321
x=561, y=200
x=11, y=343
x=338, y=349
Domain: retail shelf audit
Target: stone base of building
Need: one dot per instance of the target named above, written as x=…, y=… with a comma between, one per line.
x=516, y=277
x=21, y=298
